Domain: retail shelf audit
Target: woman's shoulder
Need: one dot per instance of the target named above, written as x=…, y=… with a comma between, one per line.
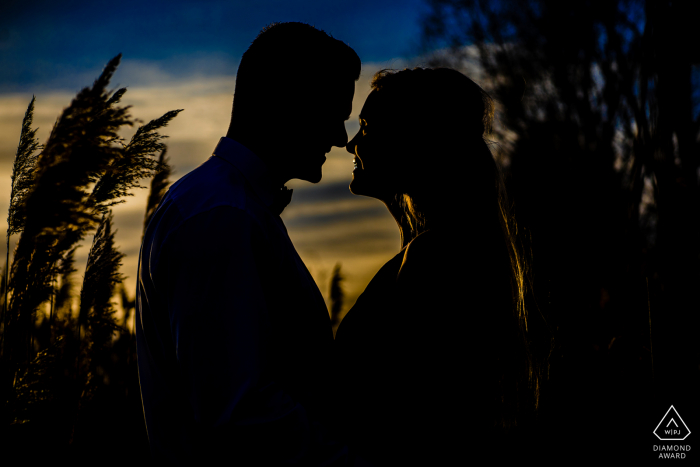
x=447, y=250
x=435, y=239
x=371, y=302
x=444, y=268
x=430, y=249
x=428, y=270
x=387, y=273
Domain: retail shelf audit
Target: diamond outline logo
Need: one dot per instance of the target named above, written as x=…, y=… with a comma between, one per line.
x=674, y=421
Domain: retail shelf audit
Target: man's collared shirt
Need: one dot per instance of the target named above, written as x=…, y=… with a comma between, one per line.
x=233, y=336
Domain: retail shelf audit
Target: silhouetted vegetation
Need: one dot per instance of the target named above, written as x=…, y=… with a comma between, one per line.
x=68, y=376
x=336, y=296
x=599, y=104
x=159, y=185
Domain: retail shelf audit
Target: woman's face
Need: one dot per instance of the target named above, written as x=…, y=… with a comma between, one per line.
x=376, y=148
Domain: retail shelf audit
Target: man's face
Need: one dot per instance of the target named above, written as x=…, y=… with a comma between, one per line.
x=317, y=126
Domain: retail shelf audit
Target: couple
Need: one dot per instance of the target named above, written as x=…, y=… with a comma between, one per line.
x=237, y=361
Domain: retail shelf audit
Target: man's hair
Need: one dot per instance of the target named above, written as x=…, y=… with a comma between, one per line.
x=286, y=58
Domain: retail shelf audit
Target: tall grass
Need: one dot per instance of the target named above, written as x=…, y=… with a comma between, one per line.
x=62, y=192
x=159, y=185
x=337, y=297
x=23, y=171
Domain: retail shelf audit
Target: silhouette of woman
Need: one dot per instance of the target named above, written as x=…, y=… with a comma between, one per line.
x=433, y=362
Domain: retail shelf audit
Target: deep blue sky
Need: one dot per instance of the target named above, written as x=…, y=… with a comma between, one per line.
x=46, y=44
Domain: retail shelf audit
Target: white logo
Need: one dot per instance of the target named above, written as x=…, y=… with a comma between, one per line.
x=671, y=427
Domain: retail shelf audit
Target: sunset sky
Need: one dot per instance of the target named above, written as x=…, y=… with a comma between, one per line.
x=184, y=55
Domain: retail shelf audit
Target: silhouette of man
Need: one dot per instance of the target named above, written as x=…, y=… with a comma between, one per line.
x=233, y=336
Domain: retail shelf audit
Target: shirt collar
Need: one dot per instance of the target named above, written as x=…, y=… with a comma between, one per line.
x=250, y=165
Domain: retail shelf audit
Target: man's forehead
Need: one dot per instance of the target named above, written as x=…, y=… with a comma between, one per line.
x=338, y=95
x=349, y=95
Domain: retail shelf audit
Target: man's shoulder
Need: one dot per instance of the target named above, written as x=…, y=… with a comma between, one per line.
x=212, y=184
x=211, y=189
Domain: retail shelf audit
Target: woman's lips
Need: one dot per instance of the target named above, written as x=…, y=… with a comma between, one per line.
x=357, y=162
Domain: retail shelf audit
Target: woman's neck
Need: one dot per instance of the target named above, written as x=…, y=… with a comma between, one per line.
x=398, y=213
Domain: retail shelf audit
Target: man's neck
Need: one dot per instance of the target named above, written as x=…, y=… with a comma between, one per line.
x=260, y=149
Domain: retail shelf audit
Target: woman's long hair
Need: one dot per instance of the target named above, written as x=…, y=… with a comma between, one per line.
x=451, y=176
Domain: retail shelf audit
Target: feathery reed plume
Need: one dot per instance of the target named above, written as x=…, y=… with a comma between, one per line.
x=96, y=313
x=22, y=180
x=3, y=286
x=336, y=296
x=159, y=185
x=62, y=293
x=128, y=304
x=57, y=210
x=3, y=279
x=83, y=169
x=23, y=172
x=36, y=384
x=101, y=278
x=133, y=163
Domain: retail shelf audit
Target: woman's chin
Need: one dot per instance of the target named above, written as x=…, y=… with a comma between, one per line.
x=360, y=186
x=357, y=185
x=354, y=189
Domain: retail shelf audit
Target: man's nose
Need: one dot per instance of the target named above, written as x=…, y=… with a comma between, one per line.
x=340, y=137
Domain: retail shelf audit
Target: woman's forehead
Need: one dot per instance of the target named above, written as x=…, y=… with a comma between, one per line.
x=375, y=107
